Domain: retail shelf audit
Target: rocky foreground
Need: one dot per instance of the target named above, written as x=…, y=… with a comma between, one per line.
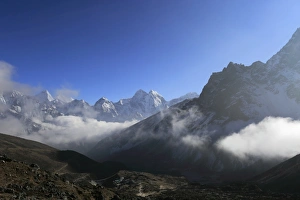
x=20, y=180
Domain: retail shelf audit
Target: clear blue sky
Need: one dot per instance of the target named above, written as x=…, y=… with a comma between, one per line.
x=113, y=48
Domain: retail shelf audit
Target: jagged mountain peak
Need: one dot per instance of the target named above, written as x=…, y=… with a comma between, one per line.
x=102, y=99
x=104, y=104
x=288, y=56
x=154, y=92
x=44, y=96
x=139, y=93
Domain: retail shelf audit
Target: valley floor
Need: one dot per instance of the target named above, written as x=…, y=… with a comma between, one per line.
x=20, y=180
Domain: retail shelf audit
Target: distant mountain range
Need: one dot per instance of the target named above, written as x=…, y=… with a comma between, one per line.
x=39, y=115
x=183, y=139
x=42, y=105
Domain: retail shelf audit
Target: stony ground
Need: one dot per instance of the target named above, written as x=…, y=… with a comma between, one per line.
x=19, y=180
x=137, y=185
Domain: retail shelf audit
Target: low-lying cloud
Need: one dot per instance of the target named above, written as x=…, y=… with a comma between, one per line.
x=64, y=129
x=195, y=141
x=65, y=132
x=273, y=137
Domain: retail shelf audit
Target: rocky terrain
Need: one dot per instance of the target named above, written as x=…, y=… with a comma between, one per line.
x=20, y=180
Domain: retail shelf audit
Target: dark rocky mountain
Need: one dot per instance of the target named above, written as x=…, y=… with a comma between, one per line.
x=182, y=138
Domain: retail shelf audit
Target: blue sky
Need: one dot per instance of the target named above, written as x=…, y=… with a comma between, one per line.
x=113, y=48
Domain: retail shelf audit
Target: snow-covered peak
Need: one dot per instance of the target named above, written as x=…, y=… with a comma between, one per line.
x=44, y=96
x=140, y=93
x=288, y=56
x=103, y=99
x=154, y=93
x=103, y=103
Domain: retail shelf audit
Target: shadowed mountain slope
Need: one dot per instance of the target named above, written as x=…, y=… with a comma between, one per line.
x=61, y=162
x=284, y=177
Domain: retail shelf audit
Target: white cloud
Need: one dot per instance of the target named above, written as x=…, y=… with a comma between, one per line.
x=271, y=138
x=67, y=129
x=11, y=125
x=6, y=82
x=195, y=140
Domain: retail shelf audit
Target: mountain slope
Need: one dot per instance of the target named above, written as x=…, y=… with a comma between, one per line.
x=69, y=163
x=183, y=138
x=284, y=177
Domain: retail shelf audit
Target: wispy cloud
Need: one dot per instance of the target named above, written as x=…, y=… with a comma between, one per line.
x=6, y=82
x=195, y=141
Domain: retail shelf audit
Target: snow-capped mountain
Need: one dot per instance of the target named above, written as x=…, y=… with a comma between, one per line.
x=40, y=114
x=140, y=106
x=44, y=96
x=182, y=138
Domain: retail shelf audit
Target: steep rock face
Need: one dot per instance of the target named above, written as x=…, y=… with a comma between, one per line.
x=184, y=135
x=257, y=91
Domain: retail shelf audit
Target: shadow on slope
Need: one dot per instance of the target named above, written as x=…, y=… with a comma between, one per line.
x=82, y=164
x=51, y=159
x=284, y=177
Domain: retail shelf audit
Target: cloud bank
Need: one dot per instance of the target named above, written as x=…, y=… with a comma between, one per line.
x=271, y=138
x=64, y=129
